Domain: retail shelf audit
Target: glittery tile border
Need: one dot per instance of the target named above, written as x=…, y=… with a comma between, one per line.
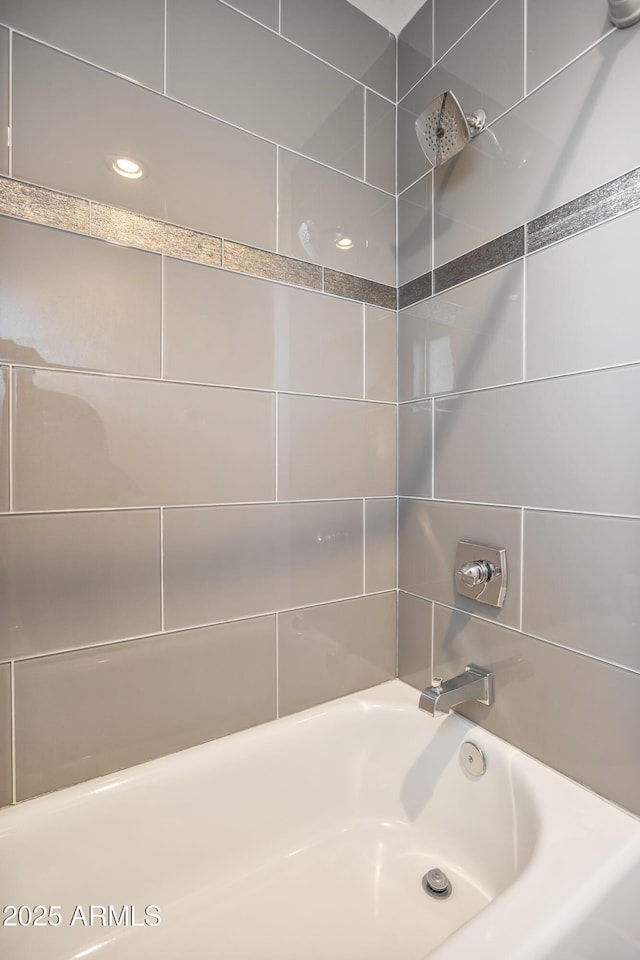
x=357, y=288
x=40, y=205
x=415, y=290
x=271, y=266
x=495, y=253
x=121, y=226
x=591, y=209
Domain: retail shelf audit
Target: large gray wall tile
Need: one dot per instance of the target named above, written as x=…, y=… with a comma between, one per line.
x=4, y=438
x=335, y=448
x=225, y=562
x=346, y=37
x=6, y=788
x=380, y=538
x=90, y=712
x=92, y=441
x=334, y=649
x=380, y=166
x=122, y=37
x=452, y=20
x=414, y=640
x=562, y=444
x=414, y=449
x=468, y=337
x=4, y=101
x=415, y=254
x=544, y=703
x=74, y=579
x=318, y=206
x=534, y=159
x=428, y=537
x=562, y=604
x=69, y=118
x=485, y=70
x=222, y=327
x=415, y=48
x=72, y=301
x=223, y=63
x=582, y=301
x=558, y=32
x=380, y=353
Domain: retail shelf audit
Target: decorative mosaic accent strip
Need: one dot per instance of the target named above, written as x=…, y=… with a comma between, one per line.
x=121, y=226
x=495, y=253
x=357, y=288
x=415, y=290
x=271, y=266
x=43, y=206
x=592, y=208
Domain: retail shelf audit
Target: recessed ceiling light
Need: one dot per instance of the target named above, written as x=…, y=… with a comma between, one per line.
x=344, y=243
x=127, y=167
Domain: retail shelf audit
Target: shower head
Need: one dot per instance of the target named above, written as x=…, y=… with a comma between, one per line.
x=443, y=129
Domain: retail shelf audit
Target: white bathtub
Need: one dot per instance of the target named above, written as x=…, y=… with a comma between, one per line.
x=307, y=839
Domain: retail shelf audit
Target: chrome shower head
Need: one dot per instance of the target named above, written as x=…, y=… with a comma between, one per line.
x=443, y=129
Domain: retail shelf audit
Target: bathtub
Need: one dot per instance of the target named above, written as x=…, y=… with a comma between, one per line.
x=308, y=838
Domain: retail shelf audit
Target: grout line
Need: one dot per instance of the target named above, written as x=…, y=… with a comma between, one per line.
x=164, y=50
x=162, y=569
x=433, y=39
x=397, y=224
x=364, y=137
x=364, y=546
x=12, y=681
x=277, y=199
x=10, y=118
x=521, y=383
x=277, y=639
x=195, y=383
x=433, y=448
x=364, y=352
x=523, y=359
x=521, y=568
x=277, y=450
x=162, y=323
x=78, y=511
x=73, y=511
x=187, y=628
x=525, y=41
x=531, y=636
x=433, y=639
x=517, y=506
x=10, y=388
x=433, y=230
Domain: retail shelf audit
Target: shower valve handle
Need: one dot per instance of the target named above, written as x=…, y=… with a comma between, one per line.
x=476, y=572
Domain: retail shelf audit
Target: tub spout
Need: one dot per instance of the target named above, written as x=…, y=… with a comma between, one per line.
x=474, y=684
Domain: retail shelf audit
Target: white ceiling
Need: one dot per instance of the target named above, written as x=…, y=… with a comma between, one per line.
x=392, y=14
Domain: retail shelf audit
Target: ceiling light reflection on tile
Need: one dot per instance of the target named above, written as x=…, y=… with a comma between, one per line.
x=127, y=167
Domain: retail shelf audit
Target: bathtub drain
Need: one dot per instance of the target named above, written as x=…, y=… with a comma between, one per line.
x=436, y=884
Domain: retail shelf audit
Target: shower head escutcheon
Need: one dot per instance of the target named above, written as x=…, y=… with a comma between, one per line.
x=443, y=129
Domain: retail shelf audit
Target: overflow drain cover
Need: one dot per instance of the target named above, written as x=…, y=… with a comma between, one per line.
x=436, y=884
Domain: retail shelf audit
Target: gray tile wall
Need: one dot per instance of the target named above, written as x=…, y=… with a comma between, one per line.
x=83, y=94
x=197, y=466
x=166, y=396
x=532, y=372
